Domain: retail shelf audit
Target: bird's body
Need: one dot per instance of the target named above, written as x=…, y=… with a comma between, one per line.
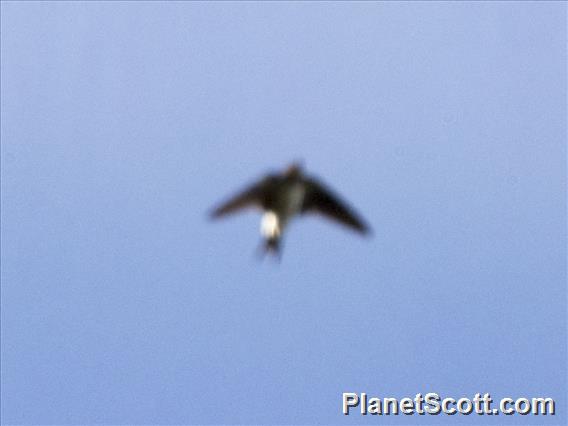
x=285, y=196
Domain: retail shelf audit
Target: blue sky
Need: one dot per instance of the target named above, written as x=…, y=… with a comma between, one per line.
x=123, y=123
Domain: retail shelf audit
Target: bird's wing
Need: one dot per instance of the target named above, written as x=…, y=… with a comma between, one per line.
x=320, y=199
x=249, y=197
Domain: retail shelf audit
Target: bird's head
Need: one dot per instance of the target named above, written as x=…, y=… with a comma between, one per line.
x=294, y=169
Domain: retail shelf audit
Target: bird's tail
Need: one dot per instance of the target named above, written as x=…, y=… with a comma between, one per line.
x=271, y=246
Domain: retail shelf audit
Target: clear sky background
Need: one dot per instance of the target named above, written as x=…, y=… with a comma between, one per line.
x=444, y=124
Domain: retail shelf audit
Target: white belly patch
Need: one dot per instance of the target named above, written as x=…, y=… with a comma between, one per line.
x=274, y=221
x=270, y=225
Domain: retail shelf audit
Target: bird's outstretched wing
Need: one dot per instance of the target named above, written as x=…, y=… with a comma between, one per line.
x=249, y=197
x=320, y=199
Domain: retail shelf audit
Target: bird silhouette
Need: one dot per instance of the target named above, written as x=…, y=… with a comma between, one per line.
x=283, y=196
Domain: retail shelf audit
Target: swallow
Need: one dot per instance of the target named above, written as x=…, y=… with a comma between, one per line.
x=284, y=196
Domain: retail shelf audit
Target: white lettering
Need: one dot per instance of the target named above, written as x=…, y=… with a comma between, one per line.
x=349, y=400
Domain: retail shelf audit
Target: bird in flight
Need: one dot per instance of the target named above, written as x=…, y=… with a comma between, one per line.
x=286, y=195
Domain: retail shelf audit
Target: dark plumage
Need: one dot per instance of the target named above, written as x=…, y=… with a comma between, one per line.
x=283, y=196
